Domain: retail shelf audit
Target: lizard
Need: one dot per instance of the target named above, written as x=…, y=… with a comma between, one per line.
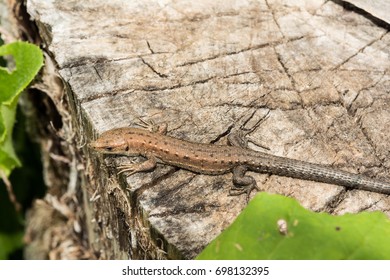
x=156, y=146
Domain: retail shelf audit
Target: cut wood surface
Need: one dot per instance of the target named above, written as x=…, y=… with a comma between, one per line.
x=319, y=71
x=377, y=8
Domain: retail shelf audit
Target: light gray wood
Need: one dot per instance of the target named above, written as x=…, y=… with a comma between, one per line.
x=321, y=71
x=377, y=8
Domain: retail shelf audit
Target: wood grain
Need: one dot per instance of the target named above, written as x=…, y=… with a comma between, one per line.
x=321, y=71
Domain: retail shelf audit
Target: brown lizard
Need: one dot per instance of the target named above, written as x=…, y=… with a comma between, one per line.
x=211, y=159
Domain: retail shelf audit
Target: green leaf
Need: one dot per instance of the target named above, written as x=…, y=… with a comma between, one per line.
x=9, y=243
x=259, y=233
x=28, y=59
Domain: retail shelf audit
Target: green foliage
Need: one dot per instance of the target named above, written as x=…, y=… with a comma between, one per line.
x=9, y=243
x=28, y=60
x=24, y=62
x=277, y=227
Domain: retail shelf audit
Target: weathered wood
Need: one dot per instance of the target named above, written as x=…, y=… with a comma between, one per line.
x=378, y=8
x=200, y=66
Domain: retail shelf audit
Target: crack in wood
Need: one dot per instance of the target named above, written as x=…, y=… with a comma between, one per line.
x=153, y=70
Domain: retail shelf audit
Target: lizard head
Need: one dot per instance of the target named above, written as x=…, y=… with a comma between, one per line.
x=110, y=142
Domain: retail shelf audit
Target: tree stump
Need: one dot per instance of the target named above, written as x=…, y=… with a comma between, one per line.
x=320, y=72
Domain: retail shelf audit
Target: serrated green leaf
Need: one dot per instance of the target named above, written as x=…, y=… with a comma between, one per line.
x=28, y=59
x=277, y=227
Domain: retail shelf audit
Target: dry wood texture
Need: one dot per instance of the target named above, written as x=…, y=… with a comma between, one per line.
x=377, y=8
x=320, y=70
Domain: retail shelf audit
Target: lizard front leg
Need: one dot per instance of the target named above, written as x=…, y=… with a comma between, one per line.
x=151, y=126
x=147, y=165
x=242, y=183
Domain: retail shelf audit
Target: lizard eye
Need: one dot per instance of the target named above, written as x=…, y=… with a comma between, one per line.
x=108, y=148
x=127, y=148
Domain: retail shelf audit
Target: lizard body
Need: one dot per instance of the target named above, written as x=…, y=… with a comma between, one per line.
x=219, y=159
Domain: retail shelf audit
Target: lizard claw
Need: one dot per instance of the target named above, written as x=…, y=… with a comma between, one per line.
x=237, y=136
x=128, y=168
x=133, y=168
x=151, y=126
x=235, y=191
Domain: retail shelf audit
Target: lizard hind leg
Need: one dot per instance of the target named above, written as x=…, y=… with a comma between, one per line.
x=238, y=135
x=243, y=184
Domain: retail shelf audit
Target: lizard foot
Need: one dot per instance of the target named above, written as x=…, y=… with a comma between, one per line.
x=242, y=183
x=151, y=126
x=239, y=190
x=147, y=165
x=237, y=136
x=132, y=168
